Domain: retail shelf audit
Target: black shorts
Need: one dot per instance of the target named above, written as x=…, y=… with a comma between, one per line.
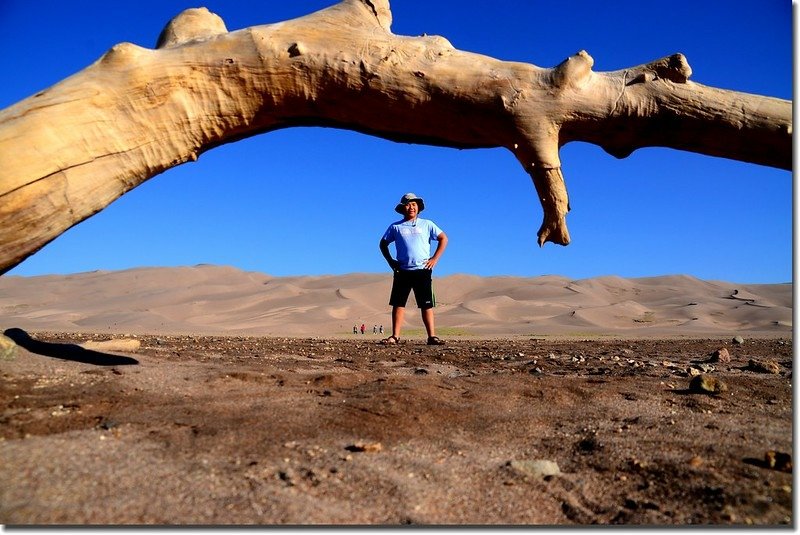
x=419, y=280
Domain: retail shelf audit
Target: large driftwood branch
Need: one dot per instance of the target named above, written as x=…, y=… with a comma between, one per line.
x=69, y=151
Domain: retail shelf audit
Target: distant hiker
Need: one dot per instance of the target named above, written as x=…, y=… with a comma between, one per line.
x=363, y=328
x=380, y=329
x=355, y=329
x=374, y=329
x=414, y=265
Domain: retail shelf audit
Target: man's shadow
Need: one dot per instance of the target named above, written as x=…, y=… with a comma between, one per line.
x=71, y=352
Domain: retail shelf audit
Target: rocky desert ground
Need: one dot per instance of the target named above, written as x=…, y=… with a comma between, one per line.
x=138, y=426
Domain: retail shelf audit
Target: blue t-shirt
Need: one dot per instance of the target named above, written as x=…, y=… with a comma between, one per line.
x=413, y=241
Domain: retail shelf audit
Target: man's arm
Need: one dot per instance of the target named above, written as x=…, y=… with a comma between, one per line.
x=440, y=247
x=394, y=264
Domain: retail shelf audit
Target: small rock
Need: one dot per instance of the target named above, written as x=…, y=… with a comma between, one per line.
x=695, y=461
x=287, y=476
x=365, y=447
x=637, y=464
x=707, y=384
x=106, y=424
x=729, y=514
x=766, y=366
x=538, y=468
x=632, y=504
x=701, y=368
x=778, y=460
x=738, y=340
x=8, y=348
x=589, y=444
x=720, y=355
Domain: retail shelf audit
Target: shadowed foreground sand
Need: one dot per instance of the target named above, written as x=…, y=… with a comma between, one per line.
x=514, y=427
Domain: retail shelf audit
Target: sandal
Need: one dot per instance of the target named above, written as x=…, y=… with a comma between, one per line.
x=391, y=340
x=435, y=341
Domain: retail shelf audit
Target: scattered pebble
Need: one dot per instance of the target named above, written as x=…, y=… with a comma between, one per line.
x=637, y=464
x=8, y=348
x=634, y=505
x=106, y=424
x=707, y=384
x=763, y=366
x=538, y=468
x=778, y=461
x=365, y=447
x=720, y=355
x=698, y=369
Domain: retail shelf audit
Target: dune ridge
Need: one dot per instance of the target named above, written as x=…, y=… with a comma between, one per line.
x=208, y=299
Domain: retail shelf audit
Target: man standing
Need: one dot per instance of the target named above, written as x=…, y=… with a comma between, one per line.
x=413, y=267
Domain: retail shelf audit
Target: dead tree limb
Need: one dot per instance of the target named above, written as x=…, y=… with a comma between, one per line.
x=70, y=150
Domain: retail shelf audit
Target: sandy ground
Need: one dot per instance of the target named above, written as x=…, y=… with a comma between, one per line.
x=297, y=431
x=232, y=397
x=224, y=300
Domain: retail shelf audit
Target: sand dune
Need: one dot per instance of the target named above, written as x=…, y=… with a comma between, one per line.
x=223, y=300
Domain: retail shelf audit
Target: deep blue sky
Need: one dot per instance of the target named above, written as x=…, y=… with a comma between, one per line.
x=309, y=201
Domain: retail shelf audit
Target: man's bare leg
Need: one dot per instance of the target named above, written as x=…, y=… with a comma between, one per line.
x=427, y=319
x=398, y=315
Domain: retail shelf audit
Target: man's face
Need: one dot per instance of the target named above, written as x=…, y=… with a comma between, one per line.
x=411, y=209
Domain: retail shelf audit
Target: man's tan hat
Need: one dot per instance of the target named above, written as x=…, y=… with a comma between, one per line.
x=407, y=198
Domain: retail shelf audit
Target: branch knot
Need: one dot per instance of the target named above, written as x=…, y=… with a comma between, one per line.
x=189, y=25
x=573, y=71
x=674, y=68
